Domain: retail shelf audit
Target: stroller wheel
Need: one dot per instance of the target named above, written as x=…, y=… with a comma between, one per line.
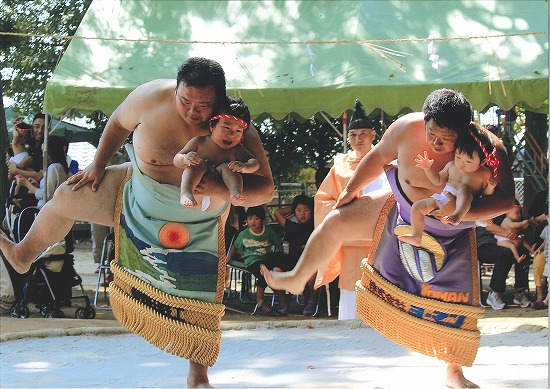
x=46, y=309
x=85, y=313
x=20, y=312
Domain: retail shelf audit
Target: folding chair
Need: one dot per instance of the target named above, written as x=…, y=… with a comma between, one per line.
x=107, y=255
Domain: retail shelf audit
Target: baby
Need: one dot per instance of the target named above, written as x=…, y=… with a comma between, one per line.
x=21, y=157
x=510, y=222
x=465, y=177
x=222, y=148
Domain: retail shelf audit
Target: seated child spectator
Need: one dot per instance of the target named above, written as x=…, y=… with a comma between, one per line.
x=256, y=242
x=296, y=234
x=513, y=221
x=465, y=177
x=222, y=149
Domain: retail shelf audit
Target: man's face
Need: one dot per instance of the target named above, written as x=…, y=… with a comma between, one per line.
x=360, y=139
x=441, y=139
x=195, y=105
x=38, y=127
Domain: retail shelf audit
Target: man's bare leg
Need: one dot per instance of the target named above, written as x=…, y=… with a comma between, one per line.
x=456, y=379
x=58, y=215
x=197, y=377
x=356, y=220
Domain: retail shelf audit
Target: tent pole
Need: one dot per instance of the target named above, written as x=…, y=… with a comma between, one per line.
x=345, y=131
x=45, y=157
x=4, y=144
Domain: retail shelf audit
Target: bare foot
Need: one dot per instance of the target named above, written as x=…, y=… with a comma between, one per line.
x=521, y=259
x=456, y=379
x=282, y=281
x=197, y=376
x=237, y=199
x=453, y=219
x=187, y=199
x=411, y=239
x=7, y=247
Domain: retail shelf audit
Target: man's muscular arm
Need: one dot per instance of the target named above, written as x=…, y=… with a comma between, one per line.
x=258, y=187
x=121, y=123
x=372, y=164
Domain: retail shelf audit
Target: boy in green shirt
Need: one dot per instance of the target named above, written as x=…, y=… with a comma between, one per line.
x=256, y=243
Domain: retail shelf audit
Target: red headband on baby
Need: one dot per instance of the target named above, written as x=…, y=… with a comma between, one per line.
x=492, y=160
x=225, y=116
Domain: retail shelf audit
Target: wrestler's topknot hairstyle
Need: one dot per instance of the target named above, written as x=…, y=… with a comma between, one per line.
x=449, y=109
x=202, y=72
x=467, y=144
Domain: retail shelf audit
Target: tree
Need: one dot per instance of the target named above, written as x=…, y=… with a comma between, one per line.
x=29, y=60
x=296, y=146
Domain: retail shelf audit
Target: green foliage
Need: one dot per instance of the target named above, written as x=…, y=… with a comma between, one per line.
x=29, y=61
x=296, y=149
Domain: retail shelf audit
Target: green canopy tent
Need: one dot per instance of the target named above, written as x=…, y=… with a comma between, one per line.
x=311, y=56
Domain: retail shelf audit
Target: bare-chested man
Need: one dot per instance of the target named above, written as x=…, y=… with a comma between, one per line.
x=163, y=115
x=355, y=217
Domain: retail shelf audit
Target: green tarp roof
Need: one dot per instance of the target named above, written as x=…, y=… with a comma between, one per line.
x=310, y=56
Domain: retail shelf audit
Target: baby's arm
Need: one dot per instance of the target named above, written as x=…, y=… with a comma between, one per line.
x=425, y=163
x=490, y=188
x=509, y=224
x=251, y=164
x=188, y=156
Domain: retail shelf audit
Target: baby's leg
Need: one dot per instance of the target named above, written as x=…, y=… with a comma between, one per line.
x=234, y=182
x=464, y=199
x=510, y=245
x=419, y=209
x=189, y=180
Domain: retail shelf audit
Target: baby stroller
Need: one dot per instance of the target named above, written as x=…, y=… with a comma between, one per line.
x=49, y=282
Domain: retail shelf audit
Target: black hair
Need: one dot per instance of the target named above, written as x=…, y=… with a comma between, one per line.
x=39, y=115
x=492, y=129
x=302, y=199
x=449, y=109
x=236, y=107
x=257, y=211
x=56, y=151
x=202, y=72
x=9, y=150
x=466, y=143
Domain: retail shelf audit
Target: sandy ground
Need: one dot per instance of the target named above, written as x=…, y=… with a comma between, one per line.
x=328, y=355
x=260, y=352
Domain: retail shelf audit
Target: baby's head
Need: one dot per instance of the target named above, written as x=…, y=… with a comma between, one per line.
x=234, y=109
x=515, y=213
x=474, y=149
x=302, y=207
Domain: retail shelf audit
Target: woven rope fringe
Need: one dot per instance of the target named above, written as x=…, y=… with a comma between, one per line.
x=452, y=345
x=190, y=342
